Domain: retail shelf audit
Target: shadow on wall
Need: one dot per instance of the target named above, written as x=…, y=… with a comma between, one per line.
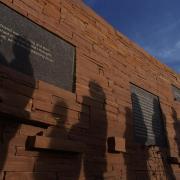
x=96, y=143
x=128, y=156
x=161, y=141
x=51, y=160
x=10, y=128
x=136, y=159
x=78, y=166
x=96, y=135
x=177, y=129
x=60, y=114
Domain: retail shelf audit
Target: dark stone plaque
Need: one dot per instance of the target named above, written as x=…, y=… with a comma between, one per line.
x=31, y=49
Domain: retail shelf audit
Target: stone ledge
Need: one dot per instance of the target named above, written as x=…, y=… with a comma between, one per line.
x=46, y=143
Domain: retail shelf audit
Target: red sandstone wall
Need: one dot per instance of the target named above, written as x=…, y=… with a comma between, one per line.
x=106, y=64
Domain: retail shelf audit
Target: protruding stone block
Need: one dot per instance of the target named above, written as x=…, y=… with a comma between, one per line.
x=116, y=144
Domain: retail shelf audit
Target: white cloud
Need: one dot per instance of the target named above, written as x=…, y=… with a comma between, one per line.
x=168, y=55
x=165, y=52
x=178, y=45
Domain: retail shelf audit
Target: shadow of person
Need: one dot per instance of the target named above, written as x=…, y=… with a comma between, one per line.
x=9, y=122
x=66, y=163
x=176, y=128
x=161, y=141
x=60, y=133
x=140, y=134
x=90, y=167
x=97, y=134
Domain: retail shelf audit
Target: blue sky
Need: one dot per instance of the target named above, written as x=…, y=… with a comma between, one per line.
x=153, y=24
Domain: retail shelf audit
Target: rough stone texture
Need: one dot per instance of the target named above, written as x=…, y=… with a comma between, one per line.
x=106, y=64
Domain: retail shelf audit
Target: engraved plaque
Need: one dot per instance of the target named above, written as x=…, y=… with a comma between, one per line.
x=147, y=116
x=32, y=50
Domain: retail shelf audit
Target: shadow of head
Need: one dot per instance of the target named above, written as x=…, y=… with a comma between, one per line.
x=60, y=112
x=96, y=91
x=21, y=47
